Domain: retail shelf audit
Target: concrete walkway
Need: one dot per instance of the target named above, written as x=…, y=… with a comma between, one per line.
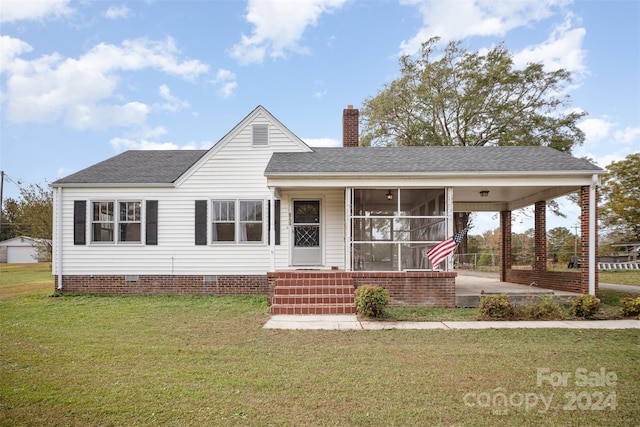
x=351, y=322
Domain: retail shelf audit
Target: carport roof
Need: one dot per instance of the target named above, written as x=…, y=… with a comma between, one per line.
x=427, y=160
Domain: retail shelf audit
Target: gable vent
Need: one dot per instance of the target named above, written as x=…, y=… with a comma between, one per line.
x=260, y=134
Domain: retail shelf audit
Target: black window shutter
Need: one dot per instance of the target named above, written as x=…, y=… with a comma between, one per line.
x=201, y=222
x=79, y=222
x=152, y=222
x=276, y=220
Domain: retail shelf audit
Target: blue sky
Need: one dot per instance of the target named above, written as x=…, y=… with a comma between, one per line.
x=84, y=80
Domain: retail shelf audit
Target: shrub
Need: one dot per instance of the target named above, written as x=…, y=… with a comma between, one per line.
x=547, y=309
x=371, y=300
x=496, y=307
x=585, y=306
x=631, y=306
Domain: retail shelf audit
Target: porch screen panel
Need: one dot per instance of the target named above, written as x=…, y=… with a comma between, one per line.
x=391, y=229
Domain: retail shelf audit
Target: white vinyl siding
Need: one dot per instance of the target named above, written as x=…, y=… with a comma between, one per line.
x=234, y=170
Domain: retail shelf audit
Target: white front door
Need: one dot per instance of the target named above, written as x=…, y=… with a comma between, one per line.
x=307, y=248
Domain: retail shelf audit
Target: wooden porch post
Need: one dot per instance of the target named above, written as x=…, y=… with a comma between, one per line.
x=505, y=244
x=540, y=236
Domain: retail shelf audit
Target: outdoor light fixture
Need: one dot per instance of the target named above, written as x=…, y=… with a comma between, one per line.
x=389, y=195
x=484, y=193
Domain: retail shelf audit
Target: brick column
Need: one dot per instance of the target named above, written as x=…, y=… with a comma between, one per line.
x=584, y=239
x=505, y=244
x=540, y=236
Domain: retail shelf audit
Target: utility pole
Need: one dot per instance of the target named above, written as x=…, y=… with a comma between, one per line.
x=575, y=240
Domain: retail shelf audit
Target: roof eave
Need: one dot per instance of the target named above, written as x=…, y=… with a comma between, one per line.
x=585, y=173
x=113, y=184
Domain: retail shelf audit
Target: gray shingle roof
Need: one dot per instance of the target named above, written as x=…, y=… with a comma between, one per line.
x=166, y=166
x=402, y=160
x=137, y=167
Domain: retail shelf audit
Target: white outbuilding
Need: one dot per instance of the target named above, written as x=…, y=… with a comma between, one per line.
x=19, y=250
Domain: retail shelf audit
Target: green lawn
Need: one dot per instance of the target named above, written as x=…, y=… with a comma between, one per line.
x=25, y=279
x=620, y=277
x=86, y=360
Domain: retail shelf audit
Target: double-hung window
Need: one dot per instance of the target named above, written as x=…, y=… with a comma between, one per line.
x=224, y=221
x=238, y=221
x=250, y=220
x=102, y=222
x=130, y=222
x=127, y=220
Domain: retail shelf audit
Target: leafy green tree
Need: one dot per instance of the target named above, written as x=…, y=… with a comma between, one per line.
x=10, y=213
x=453, y=97
x=461, y=98
x=561, y=244
x=620, y=193
x=31, y=216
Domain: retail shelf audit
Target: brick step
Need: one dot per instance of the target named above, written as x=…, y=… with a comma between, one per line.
x=314, y=290
x=313, y=309
x=318, y=299
x=319, y=281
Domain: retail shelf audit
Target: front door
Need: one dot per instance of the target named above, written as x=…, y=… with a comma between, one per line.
x=307, y=249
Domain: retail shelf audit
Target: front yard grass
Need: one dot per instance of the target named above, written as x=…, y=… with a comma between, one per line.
x=152, y=360
x=25, y=279
x=620, y=277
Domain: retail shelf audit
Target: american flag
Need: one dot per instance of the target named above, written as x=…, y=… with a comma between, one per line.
x=440, y=251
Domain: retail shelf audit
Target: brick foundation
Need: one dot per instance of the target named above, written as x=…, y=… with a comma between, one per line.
x=413, y=288
x=164, y=285
x=406, y=288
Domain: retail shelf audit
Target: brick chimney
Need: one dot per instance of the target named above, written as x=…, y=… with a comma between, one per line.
x=350, y=127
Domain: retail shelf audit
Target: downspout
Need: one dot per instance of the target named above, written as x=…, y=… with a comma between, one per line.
x=58, y=237
x=592, y=234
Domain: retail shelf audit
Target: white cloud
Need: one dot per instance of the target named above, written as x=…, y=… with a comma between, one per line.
x=117, y=12
x=596, y=129
x=278, y=27
x=34, y=10
x=226, y=80
x=82, y=90
x=105, y=116
x=465, y=18
x=563, y=49
x=628, y=135
x=145, y=143
x=9, y=49
x=601, y=133
x=322, y=142
x=172, y=103
x=124, y=144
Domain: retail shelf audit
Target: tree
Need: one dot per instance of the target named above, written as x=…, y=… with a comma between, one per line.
x=31, y=215
x=461, y=98
x=562, y=244
x=620, y=193
x=10, y=213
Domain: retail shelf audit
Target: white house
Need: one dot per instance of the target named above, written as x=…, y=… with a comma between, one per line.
x=263, y=213
x=20, y=250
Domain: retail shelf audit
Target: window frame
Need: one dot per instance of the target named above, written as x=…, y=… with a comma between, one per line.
x=94, y=222
x=127, y=222
x=238, y=222
x=116, y=222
